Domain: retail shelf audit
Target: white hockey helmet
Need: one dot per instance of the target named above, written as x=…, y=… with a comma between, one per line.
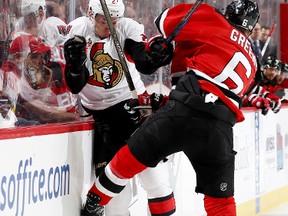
x=115, y=7
x=32, y=6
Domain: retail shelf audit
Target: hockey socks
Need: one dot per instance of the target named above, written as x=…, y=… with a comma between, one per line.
x=116, y=175
x=220, y=206
x=162, y=206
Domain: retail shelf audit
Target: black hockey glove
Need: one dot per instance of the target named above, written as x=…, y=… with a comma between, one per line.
x=158, y=100
x=157, y=52
x=75, y=52
x=275, y=102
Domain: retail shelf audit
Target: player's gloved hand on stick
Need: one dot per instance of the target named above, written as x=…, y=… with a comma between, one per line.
x=275, y=102
x=75, y=52
x=136, y=107
x=157, y=52
x=158, y=100
x=134, y=114
x=153, y=101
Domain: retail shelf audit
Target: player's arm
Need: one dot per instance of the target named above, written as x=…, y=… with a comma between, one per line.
x=76, y=73
x=150, y=56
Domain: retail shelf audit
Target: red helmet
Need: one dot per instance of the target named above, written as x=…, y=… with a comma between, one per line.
x=37, y=46
x=28, y=43
x=19, y=44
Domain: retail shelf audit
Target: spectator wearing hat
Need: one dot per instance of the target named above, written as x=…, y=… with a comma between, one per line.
x=42, y=97
x=10, y=79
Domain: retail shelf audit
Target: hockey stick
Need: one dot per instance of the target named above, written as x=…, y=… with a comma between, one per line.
x=184, y=20
x=273, y=27
x=119, y=50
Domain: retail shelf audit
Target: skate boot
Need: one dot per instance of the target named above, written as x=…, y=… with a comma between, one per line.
x=91, y=207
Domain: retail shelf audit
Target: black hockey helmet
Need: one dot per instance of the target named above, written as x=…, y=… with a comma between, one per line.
x=272, y=62
x=243, y=14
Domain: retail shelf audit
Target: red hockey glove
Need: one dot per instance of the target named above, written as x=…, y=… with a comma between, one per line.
x=275, y=102
x=157, y=52
x=258, y=101
x=155, y=100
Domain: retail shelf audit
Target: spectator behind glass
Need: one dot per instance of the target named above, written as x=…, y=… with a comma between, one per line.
x=271, y=48
x=33, y=13
x=11, y=74
x=81, y=8
x=265, y=33
x=41, y=95
x=256, y=42
x=4, y=40
x=37, y=21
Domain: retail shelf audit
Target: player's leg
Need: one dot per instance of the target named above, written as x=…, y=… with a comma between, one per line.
x=116, y=175
x=220, y=206
x=119, y=205
x=111, y=182
x=145, y=149
x=212, y=157
x=155, y=182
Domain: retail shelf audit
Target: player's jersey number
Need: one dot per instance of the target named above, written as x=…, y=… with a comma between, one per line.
x=238, y=70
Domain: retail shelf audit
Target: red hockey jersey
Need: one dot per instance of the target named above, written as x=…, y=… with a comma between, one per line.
x=211, y=46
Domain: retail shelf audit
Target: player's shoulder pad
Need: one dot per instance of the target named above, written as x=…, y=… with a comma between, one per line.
x=79, y=26
x=131, y=28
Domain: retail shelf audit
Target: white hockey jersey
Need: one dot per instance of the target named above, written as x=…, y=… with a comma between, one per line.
x=53, y=31
x=107, y=84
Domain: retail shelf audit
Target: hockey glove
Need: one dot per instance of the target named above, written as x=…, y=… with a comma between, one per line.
x=259, y=102
x=153, y=101
x=134, y=114
x=158, y=100
x=275, y=102
x=139, y=109
x=75, y=52
x=157, y=52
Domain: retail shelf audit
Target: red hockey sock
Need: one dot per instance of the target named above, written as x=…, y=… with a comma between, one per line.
x=104, y=199
x=220, y=206
x=125, y=165
x=162, y=205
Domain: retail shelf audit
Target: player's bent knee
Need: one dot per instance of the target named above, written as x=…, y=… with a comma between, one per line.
x=125, y=165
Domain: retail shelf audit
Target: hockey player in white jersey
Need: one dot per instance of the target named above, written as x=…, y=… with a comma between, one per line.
x=94, y=71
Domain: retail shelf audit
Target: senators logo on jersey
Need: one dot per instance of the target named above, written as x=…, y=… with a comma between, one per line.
x=107, y=72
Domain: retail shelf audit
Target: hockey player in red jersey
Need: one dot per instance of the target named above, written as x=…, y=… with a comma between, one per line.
x=214, y=52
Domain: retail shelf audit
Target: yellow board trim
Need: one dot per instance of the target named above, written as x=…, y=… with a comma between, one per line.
x=267, y=202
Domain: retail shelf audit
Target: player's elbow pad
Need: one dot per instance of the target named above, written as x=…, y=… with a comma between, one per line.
x=136, y=51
